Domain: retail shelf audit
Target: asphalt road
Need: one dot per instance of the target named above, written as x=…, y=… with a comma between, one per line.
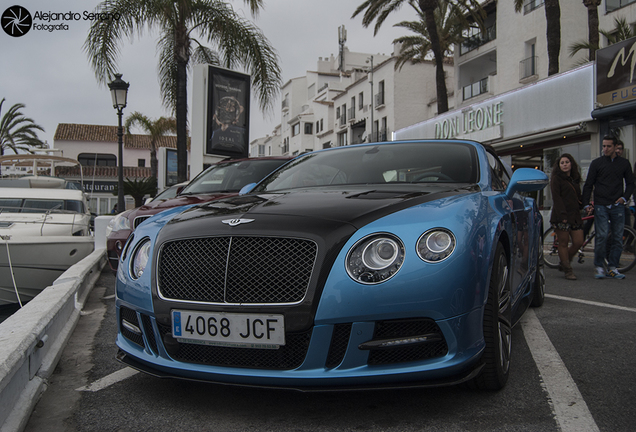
x=573, y=369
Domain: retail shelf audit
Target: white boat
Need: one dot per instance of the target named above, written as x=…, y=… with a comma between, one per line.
x=44, y=229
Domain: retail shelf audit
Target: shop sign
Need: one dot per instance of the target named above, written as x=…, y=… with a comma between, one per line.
x=470, y=121
x=99, y=187
x=615, y=67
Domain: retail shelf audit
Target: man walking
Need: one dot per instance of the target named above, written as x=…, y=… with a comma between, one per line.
x=612, y=180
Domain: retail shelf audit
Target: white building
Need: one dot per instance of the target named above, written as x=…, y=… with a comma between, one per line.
x=364, y=100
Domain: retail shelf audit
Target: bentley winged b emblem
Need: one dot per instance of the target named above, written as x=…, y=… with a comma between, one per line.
x=235, y=222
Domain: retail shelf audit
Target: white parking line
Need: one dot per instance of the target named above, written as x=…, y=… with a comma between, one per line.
x=591, y=303
x=109, y=380
x=570, y=410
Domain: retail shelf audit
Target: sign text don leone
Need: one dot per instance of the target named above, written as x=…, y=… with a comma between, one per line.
x=470, y=121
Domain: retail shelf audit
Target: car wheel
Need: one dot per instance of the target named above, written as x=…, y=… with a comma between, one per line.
x=538, y=289
x=497, y=327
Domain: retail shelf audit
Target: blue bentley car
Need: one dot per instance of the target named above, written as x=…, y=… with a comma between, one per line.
x=377, y=265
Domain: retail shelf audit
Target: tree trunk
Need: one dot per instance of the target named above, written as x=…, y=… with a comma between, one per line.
x=428, y=7
x=153, y=161
x=182, y=57
x=592, y=25
x=553, y=34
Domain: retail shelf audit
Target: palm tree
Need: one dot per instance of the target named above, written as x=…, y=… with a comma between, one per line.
x=379, y=10
x=17, y=132
x=621, y=31
x=238, y=42
x=415, y=48
x=553, y=31
x=156, y=129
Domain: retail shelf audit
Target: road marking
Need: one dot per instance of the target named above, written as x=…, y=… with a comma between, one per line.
x=592, y=303
x=569, y=407
x=109, y=380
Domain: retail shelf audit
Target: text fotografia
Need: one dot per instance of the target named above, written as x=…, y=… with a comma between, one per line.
x=50, y=21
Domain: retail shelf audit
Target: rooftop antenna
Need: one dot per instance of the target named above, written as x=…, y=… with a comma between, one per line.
x=342, y=38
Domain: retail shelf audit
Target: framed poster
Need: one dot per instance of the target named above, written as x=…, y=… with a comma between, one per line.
x=228, y=113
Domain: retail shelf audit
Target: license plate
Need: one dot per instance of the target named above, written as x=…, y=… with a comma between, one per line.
x=227, y=329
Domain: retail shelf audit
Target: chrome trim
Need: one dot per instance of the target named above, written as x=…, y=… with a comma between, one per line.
x=131, y=327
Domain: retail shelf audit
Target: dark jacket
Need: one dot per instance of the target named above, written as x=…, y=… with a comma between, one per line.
x=606, y=177
x=566, y=197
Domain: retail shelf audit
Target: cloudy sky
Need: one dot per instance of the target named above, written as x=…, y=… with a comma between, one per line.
x=50, y=74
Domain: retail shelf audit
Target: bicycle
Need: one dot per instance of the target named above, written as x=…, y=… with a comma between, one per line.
x=626, y=261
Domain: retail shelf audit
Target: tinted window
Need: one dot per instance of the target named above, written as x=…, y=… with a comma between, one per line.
x=380, y=164
x=41, y=205
x=231, y=176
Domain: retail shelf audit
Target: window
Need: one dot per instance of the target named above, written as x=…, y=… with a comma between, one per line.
x=141, y=163
x=309, y=128
x=296, y=129
x=528, y=66
x=379, y=97
x=321, y=125
x=499, y=173
x=361, y=100
x=261, y=150
x=317, y=126
x=99, y=159
x=530, y=5
x=342, y=139
x=611, y=5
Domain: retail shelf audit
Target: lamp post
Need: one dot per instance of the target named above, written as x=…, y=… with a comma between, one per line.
x=119, y=92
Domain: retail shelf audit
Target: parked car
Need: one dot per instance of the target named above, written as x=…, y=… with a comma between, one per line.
x=221, y=180
x=167, y=193
x=385, y=264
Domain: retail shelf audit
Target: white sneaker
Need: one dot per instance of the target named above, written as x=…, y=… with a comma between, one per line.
x=600, y=273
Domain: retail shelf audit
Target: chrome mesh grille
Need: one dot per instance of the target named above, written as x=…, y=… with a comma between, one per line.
x=236, y=269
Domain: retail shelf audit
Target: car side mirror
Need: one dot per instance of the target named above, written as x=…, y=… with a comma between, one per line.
x=247, y=188
x=526, y=180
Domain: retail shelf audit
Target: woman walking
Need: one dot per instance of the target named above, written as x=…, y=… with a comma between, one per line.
x=566, y=210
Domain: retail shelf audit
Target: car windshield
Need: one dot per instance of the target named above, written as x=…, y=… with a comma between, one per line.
x=231, y=176
x=379, y=164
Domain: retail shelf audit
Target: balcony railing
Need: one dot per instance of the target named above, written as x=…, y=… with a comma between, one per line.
x=343, y=119
x=530, y=5
x=285, y=104
x=528, y=67
x=475, y=41
x=475, y=89
x=352, y=113
x=379, y=99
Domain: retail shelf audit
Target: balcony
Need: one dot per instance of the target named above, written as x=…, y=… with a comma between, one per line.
x=351, y=112
x=475, y=89
x=528, y=68
x=530, y=5
x=475, y=41
x=342, y=121
x=285, y=105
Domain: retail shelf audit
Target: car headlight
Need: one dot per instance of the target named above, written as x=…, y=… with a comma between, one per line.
x=375, y=258
x=436, y=245
x=140, y=259
x=118, y=223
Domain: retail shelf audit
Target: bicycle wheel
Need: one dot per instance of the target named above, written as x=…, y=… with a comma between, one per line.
x=550, y=249
x=628, y=257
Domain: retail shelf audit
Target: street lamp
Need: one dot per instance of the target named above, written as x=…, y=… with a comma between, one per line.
x=119, y=92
